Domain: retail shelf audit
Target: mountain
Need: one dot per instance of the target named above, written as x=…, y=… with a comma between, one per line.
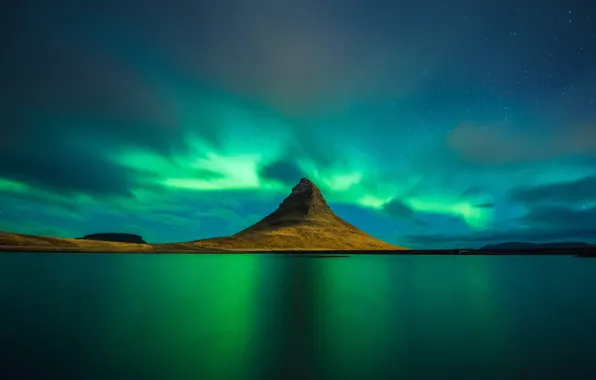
x=116, y=237
x=303, y=221
x=526, y=245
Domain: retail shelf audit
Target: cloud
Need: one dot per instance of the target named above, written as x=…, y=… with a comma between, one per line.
x=558, y=217
x=499, y=144
x=66, y=109
x=551, y=223
x=578, y=191
x=73, y=170
x=26, y=197
x=70, y=102
x=473, y=191
x=52, y=78
x=399, y=209
x=285, y=171
x=485, y=205
x=292, y=53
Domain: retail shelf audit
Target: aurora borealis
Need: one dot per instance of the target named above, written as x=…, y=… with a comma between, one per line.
x=424, y=123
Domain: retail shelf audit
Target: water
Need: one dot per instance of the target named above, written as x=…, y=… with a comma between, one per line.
x=115, y=316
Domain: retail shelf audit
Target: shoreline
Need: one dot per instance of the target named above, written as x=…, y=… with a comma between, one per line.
x=148, y=249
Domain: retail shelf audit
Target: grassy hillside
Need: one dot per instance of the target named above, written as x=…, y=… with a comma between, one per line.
x=300, y=237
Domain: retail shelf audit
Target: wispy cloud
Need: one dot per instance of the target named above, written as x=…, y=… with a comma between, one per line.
x=502, y=144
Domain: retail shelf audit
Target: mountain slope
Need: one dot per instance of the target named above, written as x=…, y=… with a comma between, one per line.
x=303, y=221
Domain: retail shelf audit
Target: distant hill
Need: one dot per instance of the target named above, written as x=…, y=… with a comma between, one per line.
x=30, y=243
x=526, y=245
x=116, y=237
x=303, y=221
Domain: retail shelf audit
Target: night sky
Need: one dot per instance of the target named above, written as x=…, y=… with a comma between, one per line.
x=426, y=123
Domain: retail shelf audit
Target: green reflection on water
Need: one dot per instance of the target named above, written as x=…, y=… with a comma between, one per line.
x=358, y=316
x=277, y=317
x=390, y=314
x=190, y=314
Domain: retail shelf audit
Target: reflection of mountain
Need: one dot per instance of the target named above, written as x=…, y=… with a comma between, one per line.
x=302, y=221
x=526, y=245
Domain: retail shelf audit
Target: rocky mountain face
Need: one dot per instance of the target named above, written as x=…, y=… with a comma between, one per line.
x=304, y=205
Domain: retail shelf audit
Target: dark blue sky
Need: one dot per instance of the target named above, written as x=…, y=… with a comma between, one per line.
x=426, y=123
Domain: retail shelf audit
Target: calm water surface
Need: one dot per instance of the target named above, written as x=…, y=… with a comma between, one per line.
x=109, y=316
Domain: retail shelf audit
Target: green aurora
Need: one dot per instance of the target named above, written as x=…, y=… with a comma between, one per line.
x=180, y=129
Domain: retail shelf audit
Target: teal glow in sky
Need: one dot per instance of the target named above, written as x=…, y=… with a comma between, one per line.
x=423, y=124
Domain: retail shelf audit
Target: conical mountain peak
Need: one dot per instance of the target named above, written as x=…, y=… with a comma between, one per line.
x=305, y=205
x=305, y=189
x=305, y=200
x=302, y=221
x=305, y=186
